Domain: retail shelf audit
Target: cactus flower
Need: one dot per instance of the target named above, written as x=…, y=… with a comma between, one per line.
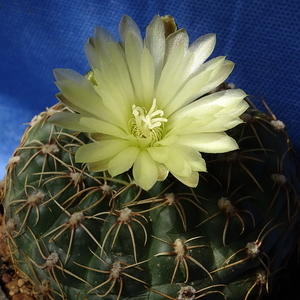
x=139, y=107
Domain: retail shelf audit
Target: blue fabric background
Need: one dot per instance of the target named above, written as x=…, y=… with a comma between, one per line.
x=36, y=36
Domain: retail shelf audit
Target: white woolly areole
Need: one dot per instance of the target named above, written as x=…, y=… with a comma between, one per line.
x=186, y=293
x=170, y=198
x=252, y=249
x=279, y=178
x=106, y=188
x=261, y=277
x=47, y=149
x=179, y=248
x=52, y=260
x=76, y=218
x=14, y=160
x=125, y=215
x=35, y=198
x=116, y=270
x=75, y=176
x=50, y=111
x=10, y=225
x=225, y=204
x=277, y=124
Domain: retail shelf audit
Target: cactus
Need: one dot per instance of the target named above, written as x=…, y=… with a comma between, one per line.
x=79, y=233
x=76, y=234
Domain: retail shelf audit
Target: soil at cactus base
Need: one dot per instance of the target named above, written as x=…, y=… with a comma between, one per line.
x=13, y=286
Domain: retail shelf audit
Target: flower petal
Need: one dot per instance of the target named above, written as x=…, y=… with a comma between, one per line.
x=212, y=104
x=119, y=113
x=69, y=121
x=211, y=142
x=201, y=49
x=163, y=172
x=133, y=52
x=177, y=162
x=114, y=78
x=97, y=125
x=123, y=161
x=128, y=25
x=216, y=78
x=147, y=77
x=97, y=151
x=188, y=124
x=99, y=166
x=190, y=160
x=159, y=154
x=191, y=180
x=186, y=94
x=101, y=38
x=171, y=78
x=145, y=170
x=78, y=92
x=221, y=123
x=155, y=42
x=98, y=46
x=174, y=39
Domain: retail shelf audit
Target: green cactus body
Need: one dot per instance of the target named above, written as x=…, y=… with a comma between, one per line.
x=81, y=235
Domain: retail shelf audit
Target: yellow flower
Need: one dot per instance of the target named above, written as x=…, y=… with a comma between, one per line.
x=138, y=105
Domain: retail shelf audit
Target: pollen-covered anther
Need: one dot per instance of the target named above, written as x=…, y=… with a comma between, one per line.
x=225, y=204
x=252, y=249
x=125, y=215
x=116, y=270
x=277, y=124
x=186, y=293
x=35, y=198
x=76, y=218
x=49, y=148
x=279, y=179
x=14, y=160
x=52, y=260
x=180, y=249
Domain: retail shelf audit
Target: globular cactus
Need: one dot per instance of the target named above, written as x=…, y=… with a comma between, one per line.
x=80, y=233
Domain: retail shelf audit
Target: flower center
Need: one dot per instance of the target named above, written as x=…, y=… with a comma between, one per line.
x=147, y=124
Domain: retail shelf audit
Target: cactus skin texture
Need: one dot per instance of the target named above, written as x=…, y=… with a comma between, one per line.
x=81, y=235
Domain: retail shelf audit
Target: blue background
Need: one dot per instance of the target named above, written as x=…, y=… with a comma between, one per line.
x=36, y=36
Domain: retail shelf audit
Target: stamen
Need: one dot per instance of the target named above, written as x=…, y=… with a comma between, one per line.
x=147, y=124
